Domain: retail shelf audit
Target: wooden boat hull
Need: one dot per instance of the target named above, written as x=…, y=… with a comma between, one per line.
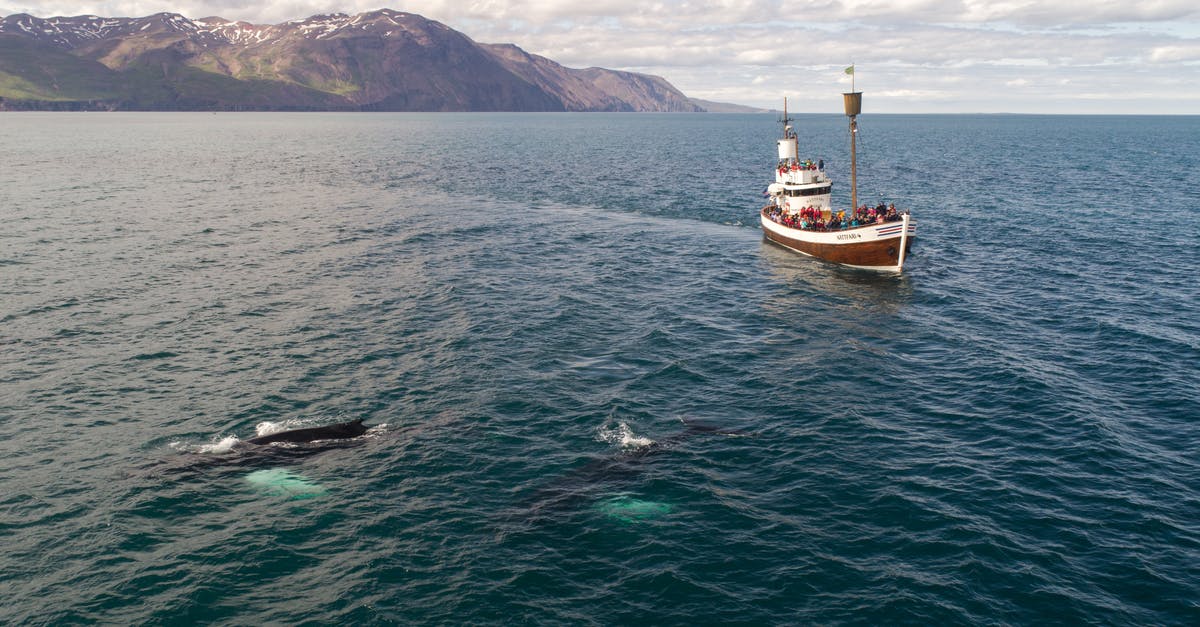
x=874, y=246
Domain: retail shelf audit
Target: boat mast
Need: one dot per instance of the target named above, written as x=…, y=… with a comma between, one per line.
x=786, y=120
x=788, y=145
x=853, y=103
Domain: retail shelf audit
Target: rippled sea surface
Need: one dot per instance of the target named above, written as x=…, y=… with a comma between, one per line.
x=597, y=396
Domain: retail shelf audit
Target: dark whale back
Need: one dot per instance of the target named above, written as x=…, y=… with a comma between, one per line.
x=597, y=475
x=340, y=431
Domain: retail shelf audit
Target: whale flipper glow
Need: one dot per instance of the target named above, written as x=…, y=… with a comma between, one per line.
x=284, y=483
x=630, y=510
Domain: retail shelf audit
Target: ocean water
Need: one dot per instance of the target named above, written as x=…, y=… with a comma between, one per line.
x=597, y=396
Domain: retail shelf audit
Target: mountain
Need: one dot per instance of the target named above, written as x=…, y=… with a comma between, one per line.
x=593, y=89
x=382, y=60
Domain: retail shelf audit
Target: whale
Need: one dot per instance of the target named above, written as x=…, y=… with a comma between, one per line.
x=339, y=431
x=233, y=454
x=601, y=475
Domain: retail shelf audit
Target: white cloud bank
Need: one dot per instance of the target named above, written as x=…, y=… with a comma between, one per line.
x=1070, y=56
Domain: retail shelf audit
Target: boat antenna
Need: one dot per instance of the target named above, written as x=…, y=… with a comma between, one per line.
x=786, y=121
x=853, y=104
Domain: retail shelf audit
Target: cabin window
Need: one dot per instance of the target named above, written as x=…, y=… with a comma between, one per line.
x=807, y=192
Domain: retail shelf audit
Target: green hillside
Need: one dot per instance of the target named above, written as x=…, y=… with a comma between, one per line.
x=32, y=71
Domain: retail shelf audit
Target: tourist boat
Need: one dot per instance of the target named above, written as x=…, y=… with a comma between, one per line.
x=799, y=215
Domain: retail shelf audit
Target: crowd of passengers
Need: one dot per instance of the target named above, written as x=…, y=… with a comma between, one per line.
x=811, y=219
x=796, y=166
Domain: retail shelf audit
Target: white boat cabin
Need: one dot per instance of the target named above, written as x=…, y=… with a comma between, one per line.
x=799, y=184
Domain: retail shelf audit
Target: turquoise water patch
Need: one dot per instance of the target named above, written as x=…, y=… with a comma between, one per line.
x=630, y=510
x=284, y=483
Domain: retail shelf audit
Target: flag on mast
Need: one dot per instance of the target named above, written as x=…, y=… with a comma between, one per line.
x=850, y=70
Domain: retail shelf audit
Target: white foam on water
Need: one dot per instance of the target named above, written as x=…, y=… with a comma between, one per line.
x=224, y=445
x=622, y=436
x=267, y=427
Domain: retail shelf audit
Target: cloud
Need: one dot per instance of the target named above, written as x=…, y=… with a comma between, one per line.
x=975, y=54
x=666, y=15
x=1186, y=52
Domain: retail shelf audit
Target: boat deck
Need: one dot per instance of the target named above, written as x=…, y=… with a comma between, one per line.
x=776, y=215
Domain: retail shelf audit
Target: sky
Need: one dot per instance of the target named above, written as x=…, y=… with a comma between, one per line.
x=910, y=56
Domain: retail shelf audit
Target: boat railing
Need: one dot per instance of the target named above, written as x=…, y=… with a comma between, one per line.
x=793, y=221
x=802, y=177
